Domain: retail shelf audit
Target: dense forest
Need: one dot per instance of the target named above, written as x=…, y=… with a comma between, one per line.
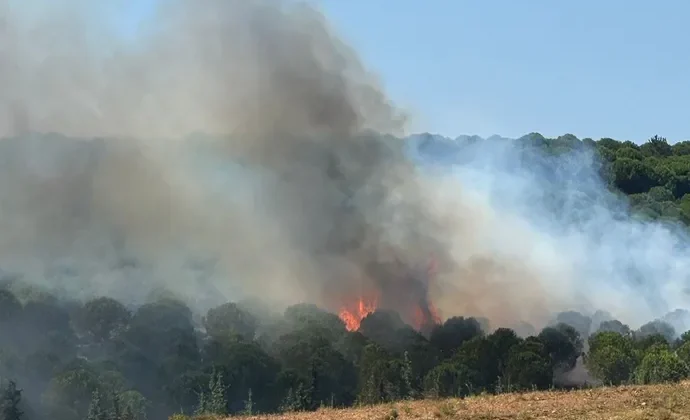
x=64, y=359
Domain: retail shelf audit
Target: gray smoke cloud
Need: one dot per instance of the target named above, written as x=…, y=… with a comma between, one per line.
x=289, y=197
x=292, y=193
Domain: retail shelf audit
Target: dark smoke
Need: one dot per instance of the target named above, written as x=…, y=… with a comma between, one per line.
x=306, y=199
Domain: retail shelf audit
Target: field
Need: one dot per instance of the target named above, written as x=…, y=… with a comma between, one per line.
x=658, y=402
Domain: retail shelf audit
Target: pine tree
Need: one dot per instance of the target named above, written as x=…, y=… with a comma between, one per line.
x=218, y=403
x=288, y=404
x=116, y=410
x=249, y=404
x=407, y=376
x=11, y=397
x=128, y=413
x=202, y=408
x=96, y=411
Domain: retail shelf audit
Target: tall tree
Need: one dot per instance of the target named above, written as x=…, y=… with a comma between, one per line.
x=96, y=409
x=217, y=401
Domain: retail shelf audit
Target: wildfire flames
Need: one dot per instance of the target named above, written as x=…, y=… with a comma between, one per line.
x=408, y=299
x=352, y=317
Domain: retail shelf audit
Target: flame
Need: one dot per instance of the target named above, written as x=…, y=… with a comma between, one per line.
x=422, y=320
x=422, y=315
x=352, y=317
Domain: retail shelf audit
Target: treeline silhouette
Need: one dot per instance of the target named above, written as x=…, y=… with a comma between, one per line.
x=97, y=360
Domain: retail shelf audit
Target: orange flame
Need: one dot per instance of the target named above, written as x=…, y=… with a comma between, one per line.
x=353, y=318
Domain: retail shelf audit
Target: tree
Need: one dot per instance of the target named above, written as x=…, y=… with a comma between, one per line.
x=217, y=402
x=563, y=344
x=657, y=146
x=406, y=374
x=248, y=404
x=11, y=398
x=129, y=414
x=379, y=376
x=134, y=405
x=96, y=409
x=443, y=381
x=116, y=409
x=308, y=352
x=611, y=357
x=632, y=176
x=528, y=365
x=449, y=336
x=245, y=365
x=227, y=320
x=71, y=390
x=103, y=317
x=660, y=365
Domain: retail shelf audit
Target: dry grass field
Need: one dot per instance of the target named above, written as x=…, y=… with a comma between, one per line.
x=659, y=402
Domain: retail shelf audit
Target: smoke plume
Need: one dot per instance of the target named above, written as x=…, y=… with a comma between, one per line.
x=299, y=188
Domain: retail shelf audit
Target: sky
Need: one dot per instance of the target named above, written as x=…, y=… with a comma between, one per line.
x=614, y=68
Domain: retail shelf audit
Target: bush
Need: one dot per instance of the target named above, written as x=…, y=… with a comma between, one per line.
x=660, y=365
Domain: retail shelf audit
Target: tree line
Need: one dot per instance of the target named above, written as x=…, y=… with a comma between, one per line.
x=654, y=176
x=102, y=360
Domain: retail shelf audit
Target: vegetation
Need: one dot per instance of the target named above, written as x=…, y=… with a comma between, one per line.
x=154, y=362
x=103, y=360
x=623, y=403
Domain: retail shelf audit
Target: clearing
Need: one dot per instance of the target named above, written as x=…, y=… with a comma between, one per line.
x=654, y=402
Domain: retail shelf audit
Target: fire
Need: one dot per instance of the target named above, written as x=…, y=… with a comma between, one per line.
x=352, y=317
x=425, y=319
x=408, y=295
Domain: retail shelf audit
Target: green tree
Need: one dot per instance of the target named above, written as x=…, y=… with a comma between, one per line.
x=135, y=405
x=611, y=357
x=217, y=400
x=407, y=372
x=229, y=319
x=449, y=336
x=443, y=381
x=657, y=146
x=632, y=176
x=563, y=345
x=528, y=365
x=660, y=365
x=683, y=352
x=70, y=392
x=97, y=410
x=103, y=318
x=116, y=407
x=248, y=404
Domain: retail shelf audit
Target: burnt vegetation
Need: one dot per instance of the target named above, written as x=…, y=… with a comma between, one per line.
x=101, y=358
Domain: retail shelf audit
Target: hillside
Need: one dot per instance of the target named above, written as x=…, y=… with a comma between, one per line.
x=625, y=403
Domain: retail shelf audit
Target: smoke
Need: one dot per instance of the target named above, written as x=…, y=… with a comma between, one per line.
x=542, y=233
x=298, y=190
x=288, y=194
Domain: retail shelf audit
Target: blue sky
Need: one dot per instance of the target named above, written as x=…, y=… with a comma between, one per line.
x=594, y=68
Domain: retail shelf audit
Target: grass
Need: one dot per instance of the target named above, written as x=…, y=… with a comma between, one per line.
x=657, y=402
